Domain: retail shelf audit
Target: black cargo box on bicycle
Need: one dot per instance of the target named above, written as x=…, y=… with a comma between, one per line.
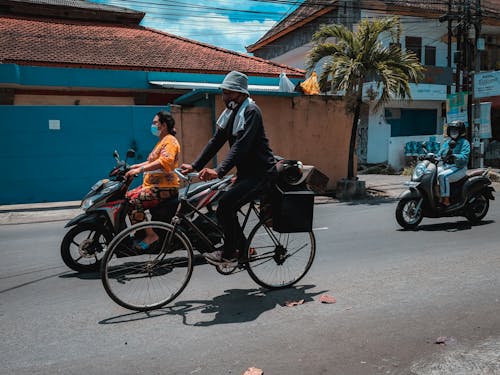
x=292, y=210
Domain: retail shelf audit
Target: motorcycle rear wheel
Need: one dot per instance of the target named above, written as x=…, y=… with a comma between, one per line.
x=477, y=207
x=83, y=247
x=406, y=214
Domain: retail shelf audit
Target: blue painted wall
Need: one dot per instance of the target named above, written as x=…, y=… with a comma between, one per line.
x=44, y=165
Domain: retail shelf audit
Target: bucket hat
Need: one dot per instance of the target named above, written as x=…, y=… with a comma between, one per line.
x=235, y=81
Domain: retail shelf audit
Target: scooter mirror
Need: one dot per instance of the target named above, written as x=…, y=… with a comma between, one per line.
x=115, y=154
x=130, y=153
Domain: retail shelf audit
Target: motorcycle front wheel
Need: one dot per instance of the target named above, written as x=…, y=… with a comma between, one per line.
x=407, y=214
x=477, y=207
x=83, y=247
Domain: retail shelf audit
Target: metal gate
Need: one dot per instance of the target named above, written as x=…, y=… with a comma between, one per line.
x=55, y=153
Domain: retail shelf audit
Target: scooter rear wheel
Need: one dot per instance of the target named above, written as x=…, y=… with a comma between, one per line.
x=477, y=207
x=83, y=247
x=407, y=214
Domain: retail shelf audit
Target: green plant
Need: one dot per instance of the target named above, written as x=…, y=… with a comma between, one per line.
x=359, y=56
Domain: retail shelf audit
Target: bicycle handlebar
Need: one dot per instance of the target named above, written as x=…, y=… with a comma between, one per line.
x=185, y=177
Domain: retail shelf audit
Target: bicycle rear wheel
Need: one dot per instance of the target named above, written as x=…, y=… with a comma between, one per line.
x=279, y=260
x=143, y=280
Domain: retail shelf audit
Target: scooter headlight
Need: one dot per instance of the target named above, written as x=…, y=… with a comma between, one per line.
x=418, y=172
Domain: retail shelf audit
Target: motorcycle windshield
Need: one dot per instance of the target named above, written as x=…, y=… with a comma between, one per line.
x=96, y=197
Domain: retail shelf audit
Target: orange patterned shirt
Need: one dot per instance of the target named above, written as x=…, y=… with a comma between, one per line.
x=167, y=151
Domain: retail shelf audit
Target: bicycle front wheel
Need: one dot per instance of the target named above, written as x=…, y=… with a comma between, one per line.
x=279, y=260
x=148, y=279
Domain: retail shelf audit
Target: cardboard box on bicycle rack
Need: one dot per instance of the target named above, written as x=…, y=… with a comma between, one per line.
x=292, y=210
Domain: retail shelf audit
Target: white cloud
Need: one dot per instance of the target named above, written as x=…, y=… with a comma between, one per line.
x=228, y=28
x=217, y=30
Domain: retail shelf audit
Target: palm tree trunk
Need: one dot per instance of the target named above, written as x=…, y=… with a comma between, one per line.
x=354, y=131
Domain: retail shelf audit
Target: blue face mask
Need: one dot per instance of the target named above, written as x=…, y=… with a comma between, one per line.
x=154, y=130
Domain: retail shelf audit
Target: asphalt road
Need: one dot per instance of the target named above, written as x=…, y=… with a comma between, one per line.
x=396, y=292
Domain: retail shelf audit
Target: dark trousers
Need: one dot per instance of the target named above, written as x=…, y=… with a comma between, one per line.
x=240, y=193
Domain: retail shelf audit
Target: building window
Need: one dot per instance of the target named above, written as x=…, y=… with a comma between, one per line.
x=414, y=44
x=430, y=55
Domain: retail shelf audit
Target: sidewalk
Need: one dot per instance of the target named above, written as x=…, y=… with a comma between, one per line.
x=378, y=187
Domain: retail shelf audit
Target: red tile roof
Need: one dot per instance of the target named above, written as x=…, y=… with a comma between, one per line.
x=112, y=46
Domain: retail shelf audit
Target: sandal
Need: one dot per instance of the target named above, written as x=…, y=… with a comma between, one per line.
x=142, y=246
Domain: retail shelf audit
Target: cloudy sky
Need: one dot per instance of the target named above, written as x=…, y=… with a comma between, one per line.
x=231, y=24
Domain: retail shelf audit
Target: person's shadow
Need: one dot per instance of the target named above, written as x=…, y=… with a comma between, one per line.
x=234, y=306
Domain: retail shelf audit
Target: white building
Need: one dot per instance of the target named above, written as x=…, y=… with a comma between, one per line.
x=383, y=135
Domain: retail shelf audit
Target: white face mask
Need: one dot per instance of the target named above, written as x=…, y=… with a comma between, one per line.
x=154, y=130
x=454, y=133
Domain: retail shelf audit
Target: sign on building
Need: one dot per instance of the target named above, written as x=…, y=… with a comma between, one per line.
x=485, y=124
x=487, y=84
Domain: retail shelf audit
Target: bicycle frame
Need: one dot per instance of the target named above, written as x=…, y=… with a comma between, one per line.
x=187, y=212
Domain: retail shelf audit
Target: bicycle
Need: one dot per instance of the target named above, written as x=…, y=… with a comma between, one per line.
x=144, y=281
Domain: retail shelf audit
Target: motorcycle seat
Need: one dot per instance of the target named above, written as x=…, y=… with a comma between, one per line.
x=475, y=172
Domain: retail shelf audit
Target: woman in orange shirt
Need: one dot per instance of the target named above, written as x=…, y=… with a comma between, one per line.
x=160, y=182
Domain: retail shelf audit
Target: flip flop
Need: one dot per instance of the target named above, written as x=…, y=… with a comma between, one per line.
x=142, y=246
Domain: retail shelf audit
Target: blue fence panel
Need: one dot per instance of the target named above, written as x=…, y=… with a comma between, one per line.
x=55, y=153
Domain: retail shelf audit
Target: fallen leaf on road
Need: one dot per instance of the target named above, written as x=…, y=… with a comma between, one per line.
x=446, y=340
x=253, y=371
x=325, y=298
x=293, y=303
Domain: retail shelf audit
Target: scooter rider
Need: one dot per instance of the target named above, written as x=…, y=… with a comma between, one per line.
x=455, y=153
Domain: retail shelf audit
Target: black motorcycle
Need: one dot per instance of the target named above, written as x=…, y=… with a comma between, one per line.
x=106, y=208
x=105, y=215
x=469, y=197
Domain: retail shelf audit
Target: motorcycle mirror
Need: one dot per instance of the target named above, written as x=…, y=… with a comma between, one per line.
x=130, y=153
x=424, y=147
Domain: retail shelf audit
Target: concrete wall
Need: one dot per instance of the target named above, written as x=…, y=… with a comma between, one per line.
x=382, y=147
x=313, y=129
x=432, y=32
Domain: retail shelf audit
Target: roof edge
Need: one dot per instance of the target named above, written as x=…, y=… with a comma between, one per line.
x=299, y=73
x=262, y=42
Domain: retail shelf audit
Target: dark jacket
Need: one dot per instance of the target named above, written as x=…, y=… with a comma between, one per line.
x=249, y=153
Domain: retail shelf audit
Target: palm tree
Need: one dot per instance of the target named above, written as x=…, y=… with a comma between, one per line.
x=359, y=56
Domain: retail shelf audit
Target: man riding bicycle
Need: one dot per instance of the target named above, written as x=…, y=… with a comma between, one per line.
x=241, y=125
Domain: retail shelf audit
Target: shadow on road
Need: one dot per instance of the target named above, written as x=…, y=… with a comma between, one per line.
x=454, y=226
x=234, y=306
x=82, y=275
x=41, y=278
x=371, y=201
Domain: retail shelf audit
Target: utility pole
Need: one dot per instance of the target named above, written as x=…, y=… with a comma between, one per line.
x=448, y=60
x=467, y=86
x=478, y=150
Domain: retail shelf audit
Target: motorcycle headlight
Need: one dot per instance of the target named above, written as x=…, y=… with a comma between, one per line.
x=418, y=172
x=87, y=203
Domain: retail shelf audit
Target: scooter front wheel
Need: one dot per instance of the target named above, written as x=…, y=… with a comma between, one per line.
x=408, y=214
x=83, y=247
